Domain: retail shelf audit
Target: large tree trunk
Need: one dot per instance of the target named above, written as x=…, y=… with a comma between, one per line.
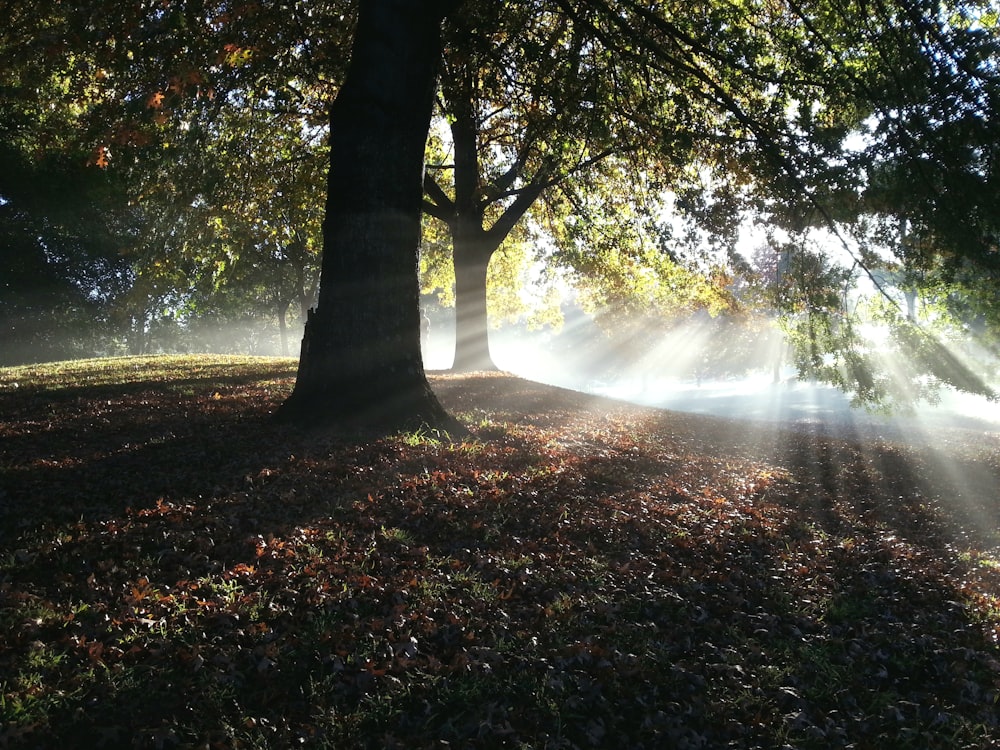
x=471, y=254
x=360, y=364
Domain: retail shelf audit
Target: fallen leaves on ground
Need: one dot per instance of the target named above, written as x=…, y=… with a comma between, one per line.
x=176, y=570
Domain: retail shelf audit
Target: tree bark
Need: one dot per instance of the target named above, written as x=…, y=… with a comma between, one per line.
x=471, y=250
x=283, y=306
x=360, y=364
x=473, y=245
x=471, y=255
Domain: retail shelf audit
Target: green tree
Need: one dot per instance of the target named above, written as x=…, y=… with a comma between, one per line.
x=925, y=185
x=826, y=72
x=60, y=270
x=514, y=91
x=760, y=96
x=255, y=243
x=62, y=227
x=165, y=101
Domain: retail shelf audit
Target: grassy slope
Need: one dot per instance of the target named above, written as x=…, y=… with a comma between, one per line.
x=178, y=571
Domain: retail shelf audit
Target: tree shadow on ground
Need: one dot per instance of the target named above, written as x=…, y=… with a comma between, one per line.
x=577, y=573
x=91, y=457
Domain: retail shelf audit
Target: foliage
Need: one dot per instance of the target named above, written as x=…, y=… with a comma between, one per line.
x=574, y=573
x=931, y=154
x=163, y=102
x=60, y=267
x=818, y=114
x=803, y=113
x=62, y=225
x=886, y=334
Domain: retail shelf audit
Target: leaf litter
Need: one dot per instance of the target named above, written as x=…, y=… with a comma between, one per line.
x=176, y=570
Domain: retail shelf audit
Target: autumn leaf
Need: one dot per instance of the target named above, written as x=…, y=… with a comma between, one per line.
x=616, y=576
x=100, y=157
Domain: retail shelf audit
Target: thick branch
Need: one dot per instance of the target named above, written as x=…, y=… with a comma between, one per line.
x=547, y=177
x=513, y=213
x=440, y=206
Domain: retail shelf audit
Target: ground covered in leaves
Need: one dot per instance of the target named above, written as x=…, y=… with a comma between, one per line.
x=176, y=570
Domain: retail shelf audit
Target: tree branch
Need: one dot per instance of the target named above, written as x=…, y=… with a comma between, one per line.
x=437, y=204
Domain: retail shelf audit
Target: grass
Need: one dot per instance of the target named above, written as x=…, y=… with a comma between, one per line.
x=177, y=570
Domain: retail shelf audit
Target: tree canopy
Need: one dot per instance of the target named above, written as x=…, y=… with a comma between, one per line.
x=210, y=120
x=601, y=126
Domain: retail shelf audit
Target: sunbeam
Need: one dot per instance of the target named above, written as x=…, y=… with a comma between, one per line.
x=941, y=454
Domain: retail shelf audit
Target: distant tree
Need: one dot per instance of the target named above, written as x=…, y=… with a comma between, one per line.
x=253, y=245
x=516, y=91
x=164, y=102
x=540, y=111
x=61, y=269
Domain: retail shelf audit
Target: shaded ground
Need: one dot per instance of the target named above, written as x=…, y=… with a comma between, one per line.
x=578, y=573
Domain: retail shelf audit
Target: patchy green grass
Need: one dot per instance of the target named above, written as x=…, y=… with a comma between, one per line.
x=177, y=570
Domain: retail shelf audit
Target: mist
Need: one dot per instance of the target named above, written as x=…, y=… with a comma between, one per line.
x=685, y=368
x=672, y=372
